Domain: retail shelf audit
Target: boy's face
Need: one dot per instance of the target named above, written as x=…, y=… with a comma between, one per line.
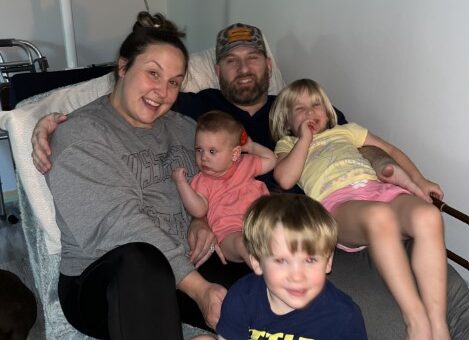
x=293, y=280
x=214, y=152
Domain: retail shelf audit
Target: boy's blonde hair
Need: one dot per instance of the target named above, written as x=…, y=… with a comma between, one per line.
x=283, y=105
x=217, y=121
x=308, y=226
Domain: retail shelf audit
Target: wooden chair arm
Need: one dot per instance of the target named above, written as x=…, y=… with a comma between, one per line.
x=460, y=216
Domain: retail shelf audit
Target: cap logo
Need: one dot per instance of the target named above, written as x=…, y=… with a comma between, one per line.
x=239, y=34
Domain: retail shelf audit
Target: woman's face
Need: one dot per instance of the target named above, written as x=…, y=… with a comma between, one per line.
x=149, y=88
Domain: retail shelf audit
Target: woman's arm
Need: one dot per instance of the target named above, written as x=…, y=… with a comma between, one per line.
x=208, y=296
x=428, y=187
x=267, y=157
x=194, y=202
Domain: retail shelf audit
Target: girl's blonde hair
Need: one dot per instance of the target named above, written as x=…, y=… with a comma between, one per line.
x=308, y=226
x=283, y=105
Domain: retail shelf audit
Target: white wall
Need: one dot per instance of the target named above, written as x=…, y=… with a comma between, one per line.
x=100, y=26
x=397, y=67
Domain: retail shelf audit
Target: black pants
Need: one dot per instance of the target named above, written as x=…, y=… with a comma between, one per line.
x=129, y=293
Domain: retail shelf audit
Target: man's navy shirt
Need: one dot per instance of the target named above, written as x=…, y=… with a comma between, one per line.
x=257, y=126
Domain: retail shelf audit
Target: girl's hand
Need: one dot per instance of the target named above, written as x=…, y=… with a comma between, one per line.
x=305, y=131
x=247, y=146
x=429, y=188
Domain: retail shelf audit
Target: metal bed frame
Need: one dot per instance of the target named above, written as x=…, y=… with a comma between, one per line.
x=32, y=62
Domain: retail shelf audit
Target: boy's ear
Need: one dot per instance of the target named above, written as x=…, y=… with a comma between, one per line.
x=236, y=153
x=256, y=266
x=329, y=263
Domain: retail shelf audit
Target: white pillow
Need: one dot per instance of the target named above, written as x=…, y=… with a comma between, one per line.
x=21, y=121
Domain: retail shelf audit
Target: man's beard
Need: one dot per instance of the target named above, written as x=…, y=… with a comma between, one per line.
x=245, y=95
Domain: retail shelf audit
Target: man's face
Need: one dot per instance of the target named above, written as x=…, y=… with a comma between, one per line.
x=244, y=75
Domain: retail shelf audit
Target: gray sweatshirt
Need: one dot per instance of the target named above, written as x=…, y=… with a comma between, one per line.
x=111, y=184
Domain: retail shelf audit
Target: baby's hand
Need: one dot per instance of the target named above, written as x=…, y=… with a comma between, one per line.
x=179, y=175
x=429, y=188
x=247, y=146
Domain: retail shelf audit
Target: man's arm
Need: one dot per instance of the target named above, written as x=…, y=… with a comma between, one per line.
x=389, y=171
x=44, y=128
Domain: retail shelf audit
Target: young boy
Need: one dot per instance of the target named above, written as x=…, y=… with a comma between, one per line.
x=290, y=240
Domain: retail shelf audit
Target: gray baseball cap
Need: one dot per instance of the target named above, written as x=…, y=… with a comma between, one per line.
x=238, y=35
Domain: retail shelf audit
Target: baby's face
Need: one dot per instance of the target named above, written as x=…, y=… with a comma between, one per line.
x=293, y=280
x=309, y=112
x=214, y=152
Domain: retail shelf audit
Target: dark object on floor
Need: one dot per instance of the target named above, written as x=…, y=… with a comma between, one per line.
x=13, y=219
x=17, y=307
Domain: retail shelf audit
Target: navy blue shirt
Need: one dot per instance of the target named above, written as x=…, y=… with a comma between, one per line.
x=257, y=126
x=246, y=314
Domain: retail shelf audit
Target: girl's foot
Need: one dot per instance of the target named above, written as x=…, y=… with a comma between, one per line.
x=419, y=329
x=441, y=332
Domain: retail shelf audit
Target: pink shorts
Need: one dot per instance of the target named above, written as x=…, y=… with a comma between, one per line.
x=362, y=191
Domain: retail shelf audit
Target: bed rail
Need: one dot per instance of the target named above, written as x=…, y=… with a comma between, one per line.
x=460, y=216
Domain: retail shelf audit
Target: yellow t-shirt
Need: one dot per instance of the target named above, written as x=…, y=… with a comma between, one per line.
x=333, y=160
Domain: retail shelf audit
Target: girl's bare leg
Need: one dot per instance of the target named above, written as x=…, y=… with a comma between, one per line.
x=423, y=223
x=376, y=224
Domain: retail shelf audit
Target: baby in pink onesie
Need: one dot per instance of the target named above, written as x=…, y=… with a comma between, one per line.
x=226, y=186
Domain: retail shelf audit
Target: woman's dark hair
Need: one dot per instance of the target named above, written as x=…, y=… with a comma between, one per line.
x=150, y=29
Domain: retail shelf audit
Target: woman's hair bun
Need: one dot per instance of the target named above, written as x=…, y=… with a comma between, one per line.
x=157, y=21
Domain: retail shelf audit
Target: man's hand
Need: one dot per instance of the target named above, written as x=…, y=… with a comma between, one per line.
x=389, y=171
x=201, y=239
x=40, y=140
x=393, y=173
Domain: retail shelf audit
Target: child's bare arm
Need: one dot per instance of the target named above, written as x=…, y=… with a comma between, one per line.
x=428, y=187
x=267, y=157
x=290, y=165
x=195, y=203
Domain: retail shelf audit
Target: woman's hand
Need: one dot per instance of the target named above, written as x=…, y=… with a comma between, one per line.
x=208, y=296
x=210, y=303
x=202, y=243
x=40, y=140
